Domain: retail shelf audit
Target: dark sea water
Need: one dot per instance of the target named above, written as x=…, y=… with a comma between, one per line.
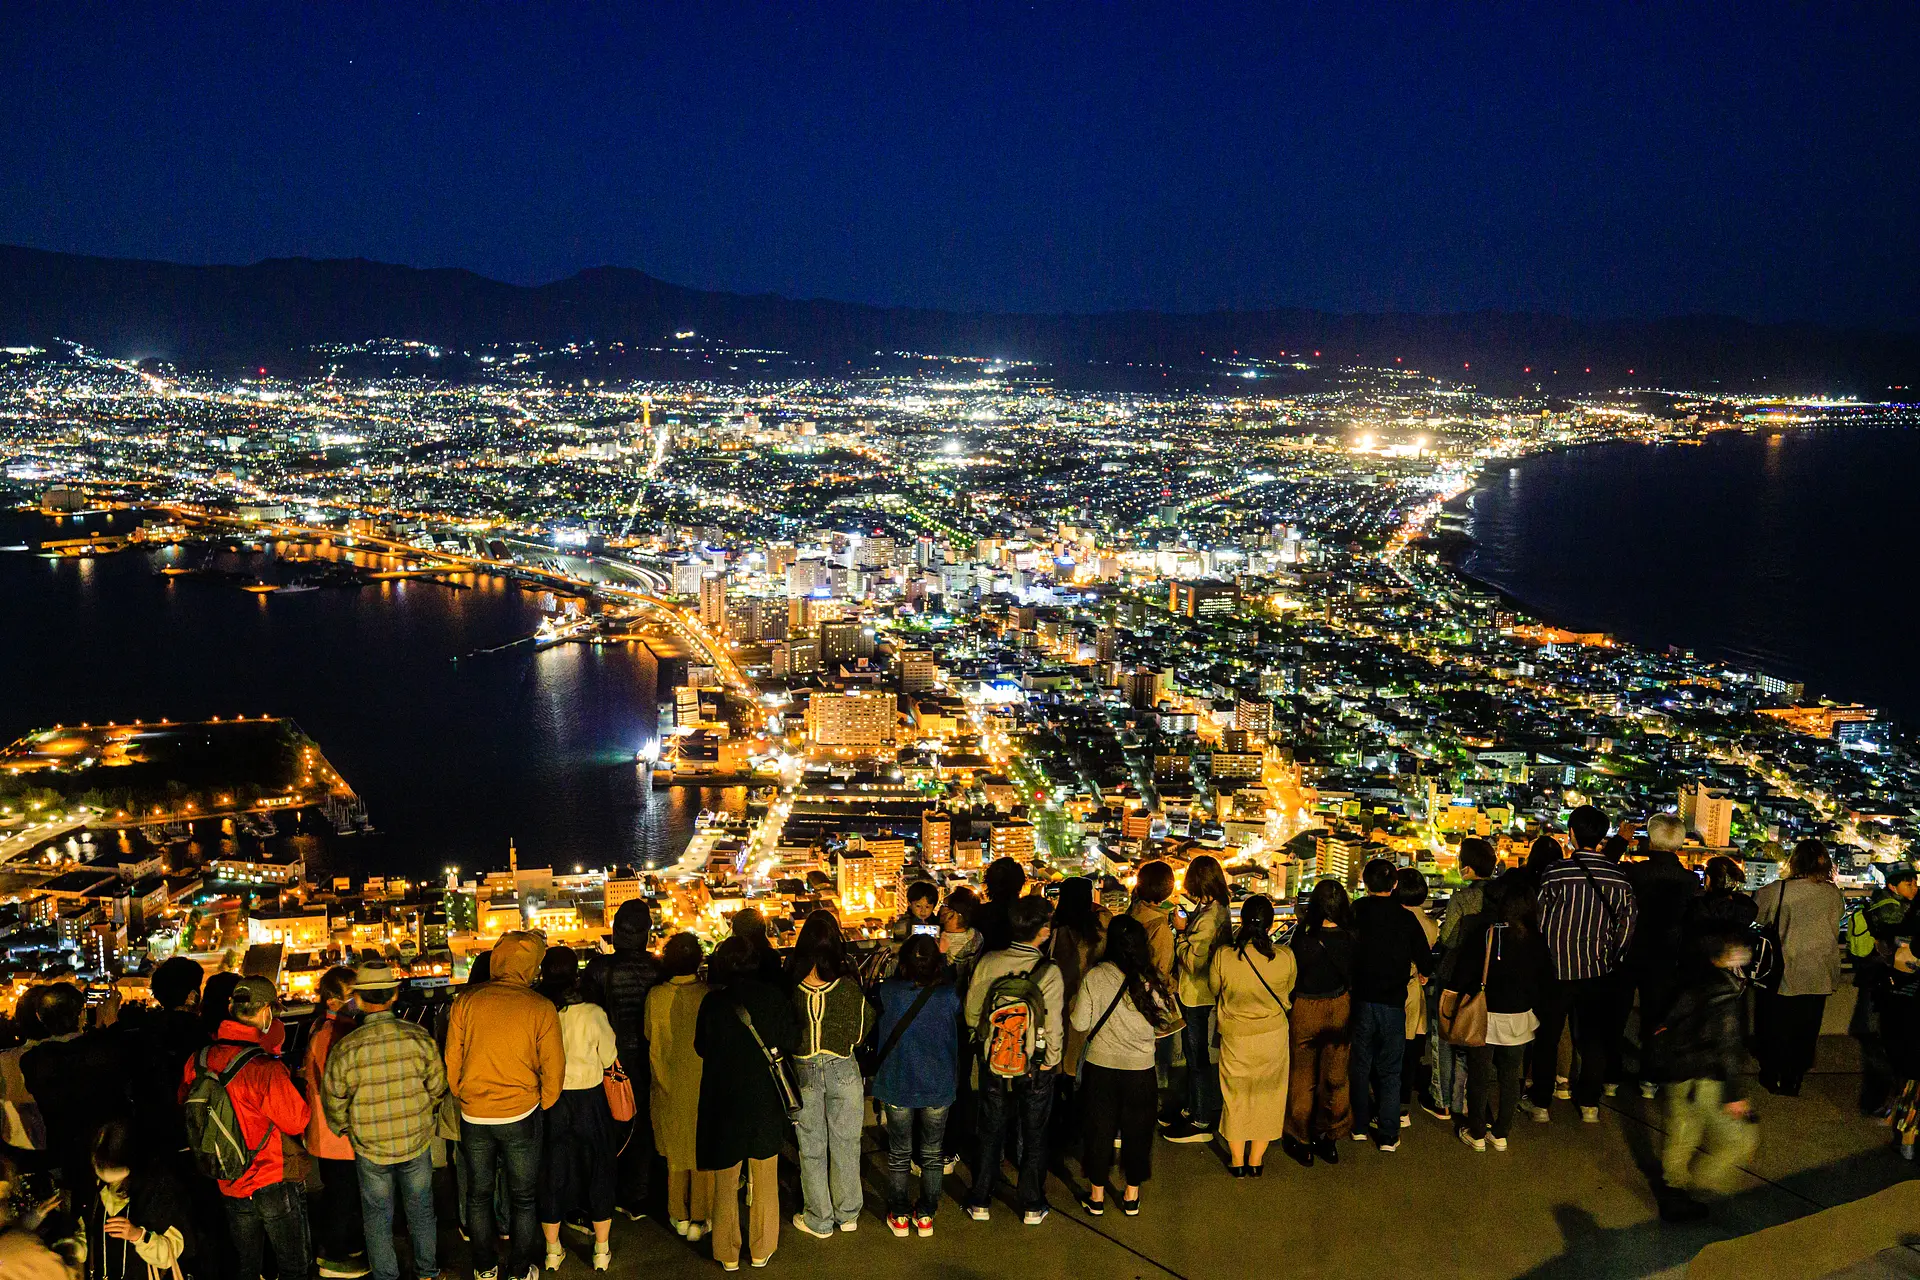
x=453, y=759
x=1785, y=551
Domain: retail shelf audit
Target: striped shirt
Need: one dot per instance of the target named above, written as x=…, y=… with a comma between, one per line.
x=383, y=1085
x=1587, y=914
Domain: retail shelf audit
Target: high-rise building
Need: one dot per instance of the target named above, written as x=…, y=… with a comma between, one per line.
x=1203, y=599
x=1708, y=814
x=1255, y=715
x=780, y=557
x=791, y=659
x=857, y=718
x=713, y=602
x=1011, y=838
x=845, y=641
x=918, y=671
x=936, y=837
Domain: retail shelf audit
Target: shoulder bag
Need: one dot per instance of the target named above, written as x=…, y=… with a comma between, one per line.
x=785, y=1086
x=1767, y=966
x=871, y=1061
x=1080, y=1063
x=1462, y=1019
x=619, y=1089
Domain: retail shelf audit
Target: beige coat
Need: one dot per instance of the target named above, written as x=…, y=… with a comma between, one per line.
x=1416, y=989
x=672, y=1009
x=1207, y=928
x=1159, y=925
x=1254, y=1045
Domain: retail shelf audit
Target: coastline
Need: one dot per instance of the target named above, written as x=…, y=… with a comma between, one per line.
x=1456, y=550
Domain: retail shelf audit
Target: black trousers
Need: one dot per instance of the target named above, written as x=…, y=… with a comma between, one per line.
x=1596, y=1008
x=1117, y=1102
x=1788, y=1028
x=1654, y=985
x=1484, y=1064
x=338, y=1233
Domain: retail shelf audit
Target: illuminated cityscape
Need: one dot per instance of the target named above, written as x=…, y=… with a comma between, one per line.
x=1081, y=629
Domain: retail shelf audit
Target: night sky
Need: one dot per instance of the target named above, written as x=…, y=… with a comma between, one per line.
x=1751, y=159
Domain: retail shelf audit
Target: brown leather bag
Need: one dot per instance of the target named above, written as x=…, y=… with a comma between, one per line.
x=1463, y=1018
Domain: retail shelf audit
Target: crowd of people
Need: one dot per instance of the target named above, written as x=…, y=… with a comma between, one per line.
x=1037, y=1032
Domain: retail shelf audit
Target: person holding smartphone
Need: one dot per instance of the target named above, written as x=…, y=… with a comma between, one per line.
x=138, y=1222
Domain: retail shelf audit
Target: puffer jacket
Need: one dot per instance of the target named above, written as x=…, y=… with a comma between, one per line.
x=620, y=983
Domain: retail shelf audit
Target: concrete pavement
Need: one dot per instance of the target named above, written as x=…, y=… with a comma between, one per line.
x=1567, y=1200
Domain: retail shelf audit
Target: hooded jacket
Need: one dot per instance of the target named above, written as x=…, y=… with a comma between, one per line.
x=504, y=1054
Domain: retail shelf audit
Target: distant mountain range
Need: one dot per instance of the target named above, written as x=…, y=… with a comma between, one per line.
x=223, y=316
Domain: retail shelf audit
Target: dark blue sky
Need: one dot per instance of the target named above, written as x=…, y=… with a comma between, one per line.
x=1597, y=160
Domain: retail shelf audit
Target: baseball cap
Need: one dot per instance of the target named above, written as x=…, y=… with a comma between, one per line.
x=1895, y=872
x=250, y=995
x=375, y=975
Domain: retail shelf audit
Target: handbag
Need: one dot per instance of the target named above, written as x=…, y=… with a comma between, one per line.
x=1766, y=967
x=619, y=1092
x=1461, y=1018
x=785, y=1086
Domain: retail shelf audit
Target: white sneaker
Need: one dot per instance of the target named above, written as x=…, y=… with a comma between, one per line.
x=1649, y=1090
x=602, y=1256
x=1361, y=1135
x=695, y=1230
x=800, y=1224
x=680, y=1225
x=851, y=1224
x=1563, y=1091
x=1609, y=1090
x=1589, y=1115
x=556, y=1257
x=1540, y=1114
x=1478, y=1144
x=1499, y=1144
x=979, y=1212
x=1391, y=1147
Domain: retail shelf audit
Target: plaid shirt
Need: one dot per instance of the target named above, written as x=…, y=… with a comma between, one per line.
x=383, y=1086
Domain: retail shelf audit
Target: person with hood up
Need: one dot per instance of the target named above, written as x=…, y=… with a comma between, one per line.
x=505, y=1065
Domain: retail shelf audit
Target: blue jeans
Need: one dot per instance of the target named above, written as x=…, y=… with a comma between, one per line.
x=900, y=1154
x=413, y=1181
x=274, y=1215
x=516, y=1148
x=1203, y=1078
x=1379, y=1045
x=1448, y=1087
x=1027, y=1101
x=832, y=1108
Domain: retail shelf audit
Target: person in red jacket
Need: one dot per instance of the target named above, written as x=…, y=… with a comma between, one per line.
x=262, y=1207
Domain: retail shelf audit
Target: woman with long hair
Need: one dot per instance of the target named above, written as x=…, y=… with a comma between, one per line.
x=673, y=1007
x=1319, y=1096
x=1120, y=1009
x=578, y=1145
x=1410, y=890
x=1504, y=942
x=1078, y=942
x=742, y=1122
x=139, y=1221
x=1252, y=983
x=834, y=1018
x=1207, y=926
x=913, y=1086
x=1802, y=911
